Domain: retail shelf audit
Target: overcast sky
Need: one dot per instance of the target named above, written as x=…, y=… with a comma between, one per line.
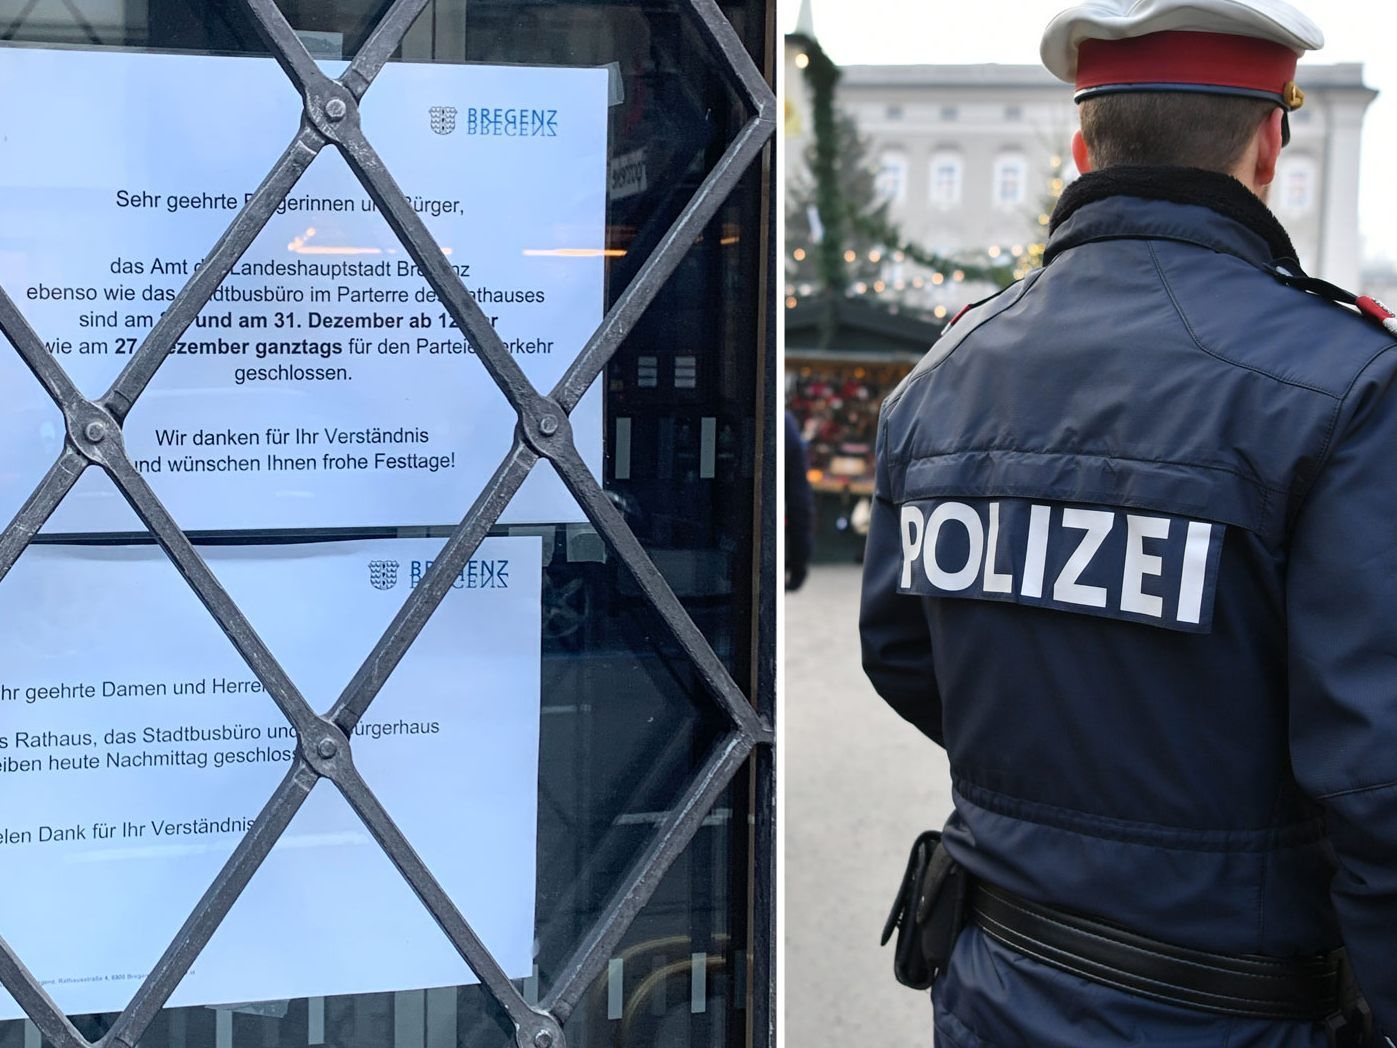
x=855, y=32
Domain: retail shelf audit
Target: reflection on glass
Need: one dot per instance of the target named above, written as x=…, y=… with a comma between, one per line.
x=623, y=721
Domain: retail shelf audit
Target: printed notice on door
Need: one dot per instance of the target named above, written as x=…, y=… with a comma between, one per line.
x=325, y=384
x=136, y=748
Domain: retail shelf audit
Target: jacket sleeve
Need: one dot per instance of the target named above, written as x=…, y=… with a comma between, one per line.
x=1342, y=611
x=892, y=627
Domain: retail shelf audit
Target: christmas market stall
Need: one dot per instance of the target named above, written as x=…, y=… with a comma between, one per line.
x=843, y=357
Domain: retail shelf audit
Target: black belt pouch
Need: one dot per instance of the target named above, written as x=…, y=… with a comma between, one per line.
x=928, y=913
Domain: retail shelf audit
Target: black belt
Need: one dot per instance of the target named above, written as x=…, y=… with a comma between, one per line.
x=1299, y=988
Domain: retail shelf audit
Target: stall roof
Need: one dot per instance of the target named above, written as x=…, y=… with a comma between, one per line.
x=867, y=331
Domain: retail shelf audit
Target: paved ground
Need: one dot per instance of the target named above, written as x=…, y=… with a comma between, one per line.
x=860, y=785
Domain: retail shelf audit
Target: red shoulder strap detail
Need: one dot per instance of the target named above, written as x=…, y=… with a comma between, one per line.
x=1371, y=307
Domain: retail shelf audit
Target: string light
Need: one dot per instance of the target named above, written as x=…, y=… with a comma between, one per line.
x=849, y=256
x=938, y=279
x=790, y=302
x=798, y=254
x=994, y=251
x=941, y=312
x=874, y=256
x=879, y=287
x=802, y=60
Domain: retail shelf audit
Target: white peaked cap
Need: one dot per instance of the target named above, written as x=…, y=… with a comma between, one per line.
x=1272, y=20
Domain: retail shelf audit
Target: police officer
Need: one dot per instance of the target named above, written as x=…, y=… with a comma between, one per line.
x=1133, y=562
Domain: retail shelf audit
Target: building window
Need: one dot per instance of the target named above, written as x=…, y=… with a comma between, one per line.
x=892, y=176
x=950, y=113
x=946, y=176
x=1296, y=185
x=1013, y=113
x=1010, y=180
x=894, y=112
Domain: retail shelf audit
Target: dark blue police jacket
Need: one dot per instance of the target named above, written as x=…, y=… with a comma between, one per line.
x=1133, y=562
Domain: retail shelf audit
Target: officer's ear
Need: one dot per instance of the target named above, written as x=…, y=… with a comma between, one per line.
x=1270, y=138
x=1079, y=153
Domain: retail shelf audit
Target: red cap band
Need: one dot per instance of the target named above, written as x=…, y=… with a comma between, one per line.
x=1177, y=57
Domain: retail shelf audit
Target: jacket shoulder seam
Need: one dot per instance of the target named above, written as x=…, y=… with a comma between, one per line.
x=1327, y=448
x=1215, y=354
x=1355, y=789
x=916, y=377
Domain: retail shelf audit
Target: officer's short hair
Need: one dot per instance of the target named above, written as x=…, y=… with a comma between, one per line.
x=1170, y=128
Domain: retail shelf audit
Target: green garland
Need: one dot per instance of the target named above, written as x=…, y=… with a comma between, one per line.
x=1000, y=274
x=822, y=77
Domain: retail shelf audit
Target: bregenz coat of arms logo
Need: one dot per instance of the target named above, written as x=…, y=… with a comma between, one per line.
x=443, y=119
x=383, y=574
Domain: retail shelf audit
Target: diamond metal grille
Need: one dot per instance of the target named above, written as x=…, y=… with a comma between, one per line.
x=94, y=437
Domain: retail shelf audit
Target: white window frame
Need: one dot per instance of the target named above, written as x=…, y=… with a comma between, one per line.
x=892, y=176
x=949, y=195
x=1004, y=165
x=1297, y=184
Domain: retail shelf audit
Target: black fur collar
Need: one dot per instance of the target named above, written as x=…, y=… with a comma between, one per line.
x=1180, y=185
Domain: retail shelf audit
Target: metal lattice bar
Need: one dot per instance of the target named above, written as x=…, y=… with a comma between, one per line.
x=380, y=45
x=94, y=437
x=661, y=264
x=737, y=64
x=37, y=1004
x=440, y=905
x=290, y=53
x=609, y=522
x=219, y=262
x=716, y=188
x=213, y=907
x=37, y=509
x=36, y=355
x=432, y=588
x=673, y=836
x=407, y=224
x=309, y=728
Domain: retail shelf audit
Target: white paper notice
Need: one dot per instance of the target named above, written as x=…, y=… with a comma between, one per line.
x=324, y=385
x=135, y=749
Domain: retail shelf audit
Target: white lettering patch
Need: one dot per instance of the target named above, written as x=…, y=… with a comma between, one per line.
x=1098, y=560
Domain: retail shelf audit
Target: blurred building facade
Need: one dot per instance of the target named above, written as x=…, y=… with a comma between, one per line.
x=973, y=157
